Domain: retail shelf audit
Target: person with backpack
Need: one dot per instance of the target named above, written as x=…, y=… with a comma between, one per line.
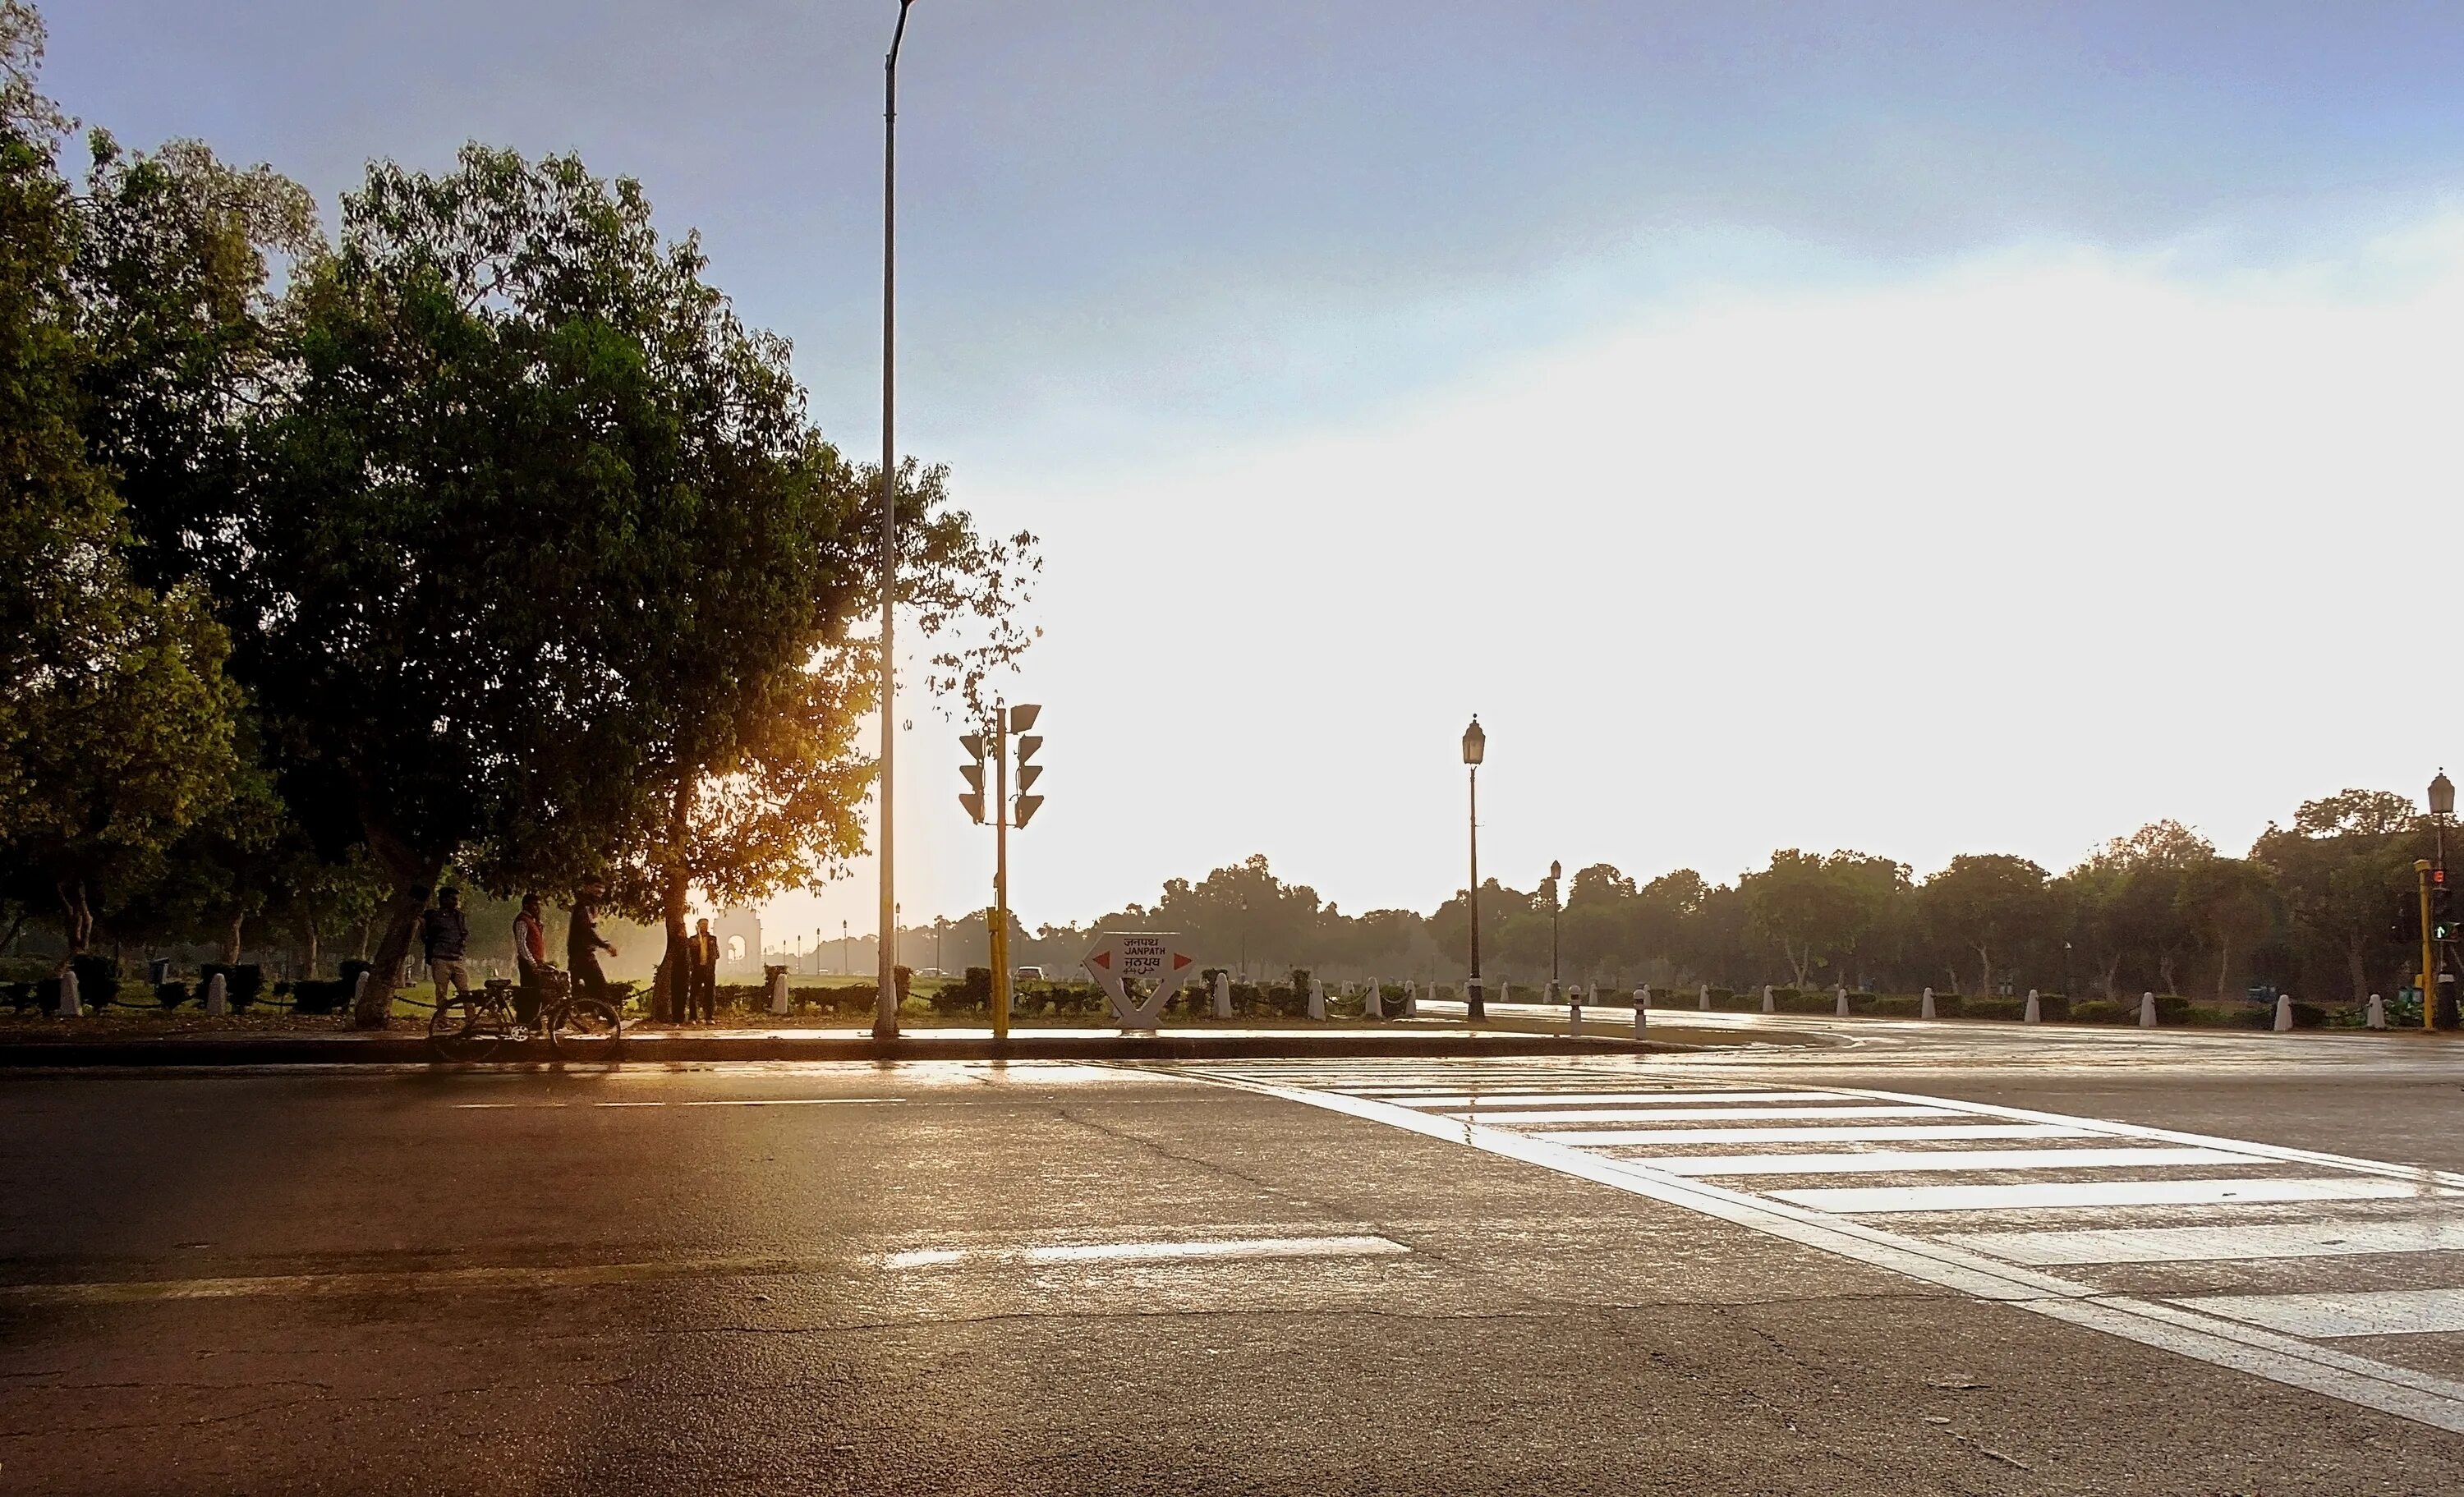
x=445, y=939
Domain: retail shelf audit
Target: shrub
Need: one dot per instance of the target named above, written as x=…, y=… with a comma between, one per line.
x=171, y=994
x=2103, y=1011
x=1896, y=1006
x=1738, y=1002
x=1789, y=1001
x=243, y=984
x=311, y=997
x=98, y=980
x=1991, y=1007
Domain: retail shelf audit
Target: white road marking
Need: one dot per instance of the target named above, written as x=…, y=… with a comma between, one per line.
x=2374, y=1312
x=716, y=1102
x=1888, y=1133
x=1459, y=1098
x=1691, y=1114
x=2219, y=1244
x=2189, y=1332
x=1153, y=1251
x=1893, y=1162
x=1882, y=1199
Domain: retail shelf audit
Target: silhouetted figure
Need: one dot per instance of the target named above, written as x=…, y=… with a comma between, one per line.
x=582, y=942
x=701, y=975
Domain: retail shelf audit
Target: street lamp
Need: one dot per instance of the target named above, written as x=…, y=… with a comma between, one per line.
x=1556, y=872
x=885, y=1007
x=1475, y=747
x=2434, y=1001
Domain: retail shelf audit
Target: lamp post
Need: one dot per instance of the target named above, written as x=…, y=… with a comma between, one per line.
x=885, y=1009
x=1475, y=747
x=2434, y=977
x=1556, y=872
x=846, y=957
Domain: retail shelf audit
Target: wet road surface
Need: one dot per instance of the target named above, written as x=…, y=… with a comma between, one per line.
x=1923, y=1258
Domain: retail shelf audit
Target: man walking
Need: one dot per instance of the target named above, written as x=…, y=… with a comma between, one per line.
x=582, y=942
x=444, y=938
x=701, y=979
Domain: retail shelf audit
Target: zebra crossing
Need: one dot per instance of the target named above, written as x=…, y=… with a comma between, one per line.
x=2321, y=1271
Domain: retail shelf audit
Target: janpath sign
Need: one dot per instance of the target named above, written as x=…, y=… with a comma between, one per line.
x=1151, y=956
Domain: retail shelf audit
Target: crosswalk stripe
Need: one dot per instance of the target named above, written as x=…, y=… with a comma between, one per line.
x=2369, y=1313
x=1882, y=1132
x=1691, y=1114
x=1509, y=1099
x=1893, y=1162
x=2216, y=1244
x=1877, y=1200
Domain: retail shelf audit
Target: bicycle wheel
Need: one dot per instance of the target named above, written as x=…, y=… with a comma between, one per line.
x=587, y=1028
x=463, y=1030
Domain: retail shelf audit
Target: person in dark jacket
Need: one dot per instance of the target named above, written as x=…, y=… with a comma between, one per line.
x=582, y=942
x=445, y=940
x=530, y=958
x=701, y=975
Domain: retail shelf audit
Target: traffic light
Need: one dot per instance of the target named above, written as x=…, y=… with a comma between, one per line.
x=972, y=798
x=2442, y=915
x=1021, y=719
x=2405, y=927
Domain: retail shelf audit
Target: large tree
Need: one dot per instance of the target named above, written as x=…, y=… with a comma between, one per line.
x=1987, y=905
x=115, y=714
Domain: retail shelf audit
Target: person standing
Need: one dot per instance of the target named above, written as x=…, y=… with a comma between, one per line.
x=530, y=956
x=445, y=939
x=701, y=980
x=582, y=942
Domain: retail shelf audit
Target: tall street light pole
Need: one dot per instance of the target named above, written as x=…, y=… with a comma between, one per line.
x=1475, y=748
x=885, y=1009
x=1556, y=872
x=2435, y=1013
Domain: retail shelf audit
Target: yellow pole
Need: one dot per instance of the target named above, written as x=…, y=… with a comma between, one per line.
x=2429, y=952
x=1001, y=872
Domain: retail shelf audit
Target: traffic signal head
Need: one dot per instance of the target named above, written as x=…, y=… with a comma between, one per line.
x=2407, y=925
x=1024, y=807
x=972, y=797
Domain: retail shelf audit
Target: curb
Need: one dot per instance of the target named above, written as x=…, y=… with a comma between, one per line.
x=655, y=1049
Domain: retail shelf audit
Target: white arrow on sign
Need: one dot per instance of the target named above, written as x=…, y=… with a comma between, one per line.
x=1145, y=956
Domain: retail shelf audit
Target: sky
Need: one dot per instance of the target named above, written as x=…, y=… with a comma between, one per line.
x=1923, y=428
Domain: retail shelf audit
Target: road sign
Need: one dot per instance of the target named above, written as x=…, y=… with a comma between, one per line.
x=1121, y=957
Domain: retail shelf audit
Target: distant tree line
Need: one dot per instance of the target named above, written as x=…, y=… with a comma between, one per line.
x=480, y=536
x=2311, y=908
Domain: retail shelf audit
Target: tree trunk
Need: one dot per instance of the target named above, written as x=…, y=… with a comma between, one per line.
x=76, y=918
x=411, y=869
x=2113, y=977
x=231, y=947
x=312, y=950
x=2223, y=965
x=2165, y=972
x=2356, y=968
x=1799, y=967
x=1985, y=962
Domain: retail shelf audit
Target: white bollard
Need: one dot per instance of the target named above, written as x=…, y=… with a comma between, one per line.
x=359, y=991
x=1316, y=998
x=2283, y=1012
x=1925, y=1005
x=71, y=1005
x=2375, y=1016
x=2146, y=1010
x=2034, y=1015
x=1373, y=1000
x=217, y=996
x=778, y=992
x=1842, y=1011
x=1412, y=998
x=1222, y=995
x=1641, y=1008
x=1574, y=1010
x=1767, y=1006
x=1702, y=997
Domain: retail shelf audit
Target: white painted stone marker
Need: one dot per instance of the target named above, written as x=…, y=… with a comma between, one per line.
x=1373, y=1002
x=2377, y=1015
x=1412, y=998
x=217, y=995
x=1767, y=1006
x=2146, y=1010
x=1925, y=1005
x=2036, y=1014
x=1842, y=1011
x=1316, y=998
x=71, y=1003
x=2283, y=1013
x=1702, y=1000
x=1222, y=993
x=778, y=992
x=359, y=990
x=1641, y=1010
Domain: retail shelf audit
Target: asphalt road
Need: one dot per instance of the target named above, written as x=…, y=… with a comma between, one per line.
x=1322, y=1277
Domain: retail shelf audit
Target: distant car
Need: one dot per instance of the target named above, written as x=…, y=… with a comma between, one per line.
x=1029, y=974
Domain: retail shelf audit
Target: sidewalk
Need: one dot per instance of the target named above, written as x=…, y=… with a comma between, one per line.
x=653, y=1045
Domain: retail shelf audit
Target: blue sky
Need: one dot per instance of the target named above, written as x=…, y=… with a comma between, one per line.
x=1344, y=333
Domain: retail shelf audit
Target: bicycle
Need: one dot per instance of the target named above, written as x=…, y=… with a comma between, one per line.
x=470, y=1026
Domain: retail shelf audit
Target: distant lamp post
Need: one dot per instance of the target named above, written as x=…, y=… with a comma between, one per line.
x=1475, y=745
x=2435, y=1010
x=1556, y=872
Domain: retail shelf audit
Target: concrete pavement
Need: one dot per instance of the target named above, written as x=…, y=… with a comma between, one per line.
x=1049, y=1277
